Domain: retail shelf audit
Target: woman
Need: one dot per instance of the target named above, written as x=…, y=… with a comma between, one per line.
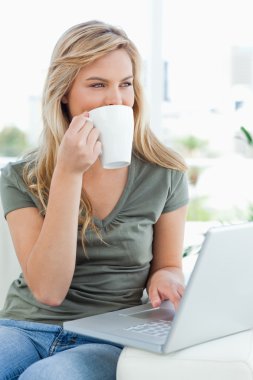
x=88, y=239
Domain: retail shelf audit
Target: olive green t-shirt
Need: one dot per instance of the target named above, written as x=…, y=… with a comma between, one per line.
x=113, y=275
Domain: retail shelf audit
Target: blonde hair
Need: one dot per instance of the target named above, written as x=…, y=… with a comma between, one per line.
x=79, y=46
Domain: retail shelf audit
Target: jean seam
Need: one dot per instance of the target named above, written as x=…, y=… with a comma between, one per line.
x=55, y=343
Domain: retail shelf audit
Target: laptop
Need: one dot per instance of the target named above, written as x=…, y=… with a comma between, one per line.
x=218, y=301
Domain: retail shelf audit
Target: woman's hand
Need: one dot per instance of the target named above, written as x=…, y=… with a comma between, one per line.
x=80, y=147
x=164, y=284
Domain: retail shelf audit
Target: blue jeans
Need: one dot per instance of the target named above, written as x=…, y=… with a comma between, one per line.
x=38, y=351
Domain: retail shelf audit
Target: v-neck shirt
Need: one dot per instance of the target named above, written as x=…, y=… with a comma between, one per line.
x=113, y=273
x=101, y=223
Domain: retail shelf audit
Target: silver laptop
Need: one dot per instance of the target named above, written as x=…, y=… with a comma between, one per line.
x=218, y=301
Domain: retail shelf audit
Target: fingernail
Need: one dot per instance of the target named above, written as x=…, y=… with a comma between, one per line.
x=155, y=303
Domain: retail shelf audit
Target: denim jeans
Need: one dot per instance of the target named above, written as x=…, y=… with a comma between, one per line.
x=38, y=351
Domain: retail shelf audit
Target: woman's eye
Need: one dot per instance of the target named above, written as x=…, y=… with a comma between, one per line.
x=101, y=85
x=127, y=84
x=97, y=85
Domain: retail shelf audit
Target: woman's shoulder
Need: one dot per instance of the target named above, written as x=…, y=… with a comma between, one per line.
x=161, y=178
x=13, y=189
x=167, y=188
x=145, y=167
x=14, y=169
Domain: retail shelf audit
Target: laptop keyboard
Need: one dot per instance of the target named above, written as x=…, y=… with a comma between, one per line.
x=157, y=328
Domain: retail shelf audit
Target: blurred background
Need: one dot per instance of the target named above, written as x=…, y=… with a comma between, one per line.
x=198, y=77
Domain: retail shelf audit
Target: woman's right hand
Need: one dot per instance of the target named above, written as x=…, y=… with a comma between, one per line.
x=80, y=146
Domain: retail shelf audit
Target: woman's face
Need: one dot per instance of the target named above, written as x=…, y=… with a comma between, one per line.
x=106, y=81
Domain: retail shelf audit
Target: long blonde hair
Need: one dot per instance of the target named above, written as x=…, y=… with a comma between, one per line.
x=79, y=46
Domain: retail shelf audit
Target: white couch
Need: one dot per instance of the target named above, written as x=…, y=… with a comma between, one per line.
x=229, y=358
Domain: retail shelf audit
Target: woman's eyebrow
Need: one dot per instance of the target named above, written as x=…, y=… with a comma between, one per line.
x=106, y=80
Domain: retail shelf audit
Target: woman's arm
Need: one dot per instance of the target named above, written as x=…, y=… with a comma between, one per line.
x=46, y=248
x=166, y=280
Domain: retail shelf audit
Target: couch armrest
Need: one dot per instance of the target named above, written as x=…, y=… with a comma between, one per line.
x=229, y=358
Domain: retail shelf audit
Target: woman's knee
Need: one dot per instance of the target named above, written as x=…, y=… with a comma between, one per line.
x=17, y=352
x=85, y=362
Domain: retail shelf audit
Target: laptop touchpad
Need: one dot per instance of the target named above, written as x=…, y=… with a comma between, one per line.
x=158, y=313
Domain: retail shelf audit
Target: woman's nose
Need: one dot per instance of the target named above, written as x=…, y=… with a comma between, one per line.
x=113, y=97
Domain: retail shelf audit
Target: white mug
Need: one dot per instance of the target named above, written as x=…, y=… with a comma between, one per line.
x=116, y=126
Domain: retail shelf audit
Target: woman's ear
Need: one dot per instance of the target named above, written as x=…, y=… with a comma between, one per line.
x=64, y=99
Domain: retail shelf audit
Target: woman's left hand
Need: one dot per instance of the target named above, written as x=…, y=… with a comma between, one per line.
x=166, y=284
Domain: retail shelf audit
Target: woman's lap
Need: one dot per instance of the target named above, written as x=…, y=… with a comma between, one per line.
x=41, y=351
x=93, y=361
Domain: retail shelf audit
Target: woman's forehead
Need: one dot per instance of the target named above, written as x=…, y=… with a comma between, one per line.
x=117, y=61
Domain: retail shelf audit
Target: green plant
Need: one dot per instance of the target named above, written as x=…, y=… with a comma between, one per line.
x=193, y=143
x=194, y=173
x=250, y=212
x=247, y=135
x=190, y=144
x=198, y=211
x=13, y=141
x=191, y=249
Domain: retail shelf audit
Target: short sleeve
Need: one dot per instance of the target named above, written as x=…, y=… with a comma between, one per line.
x=13, y=194
x=178, y=194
